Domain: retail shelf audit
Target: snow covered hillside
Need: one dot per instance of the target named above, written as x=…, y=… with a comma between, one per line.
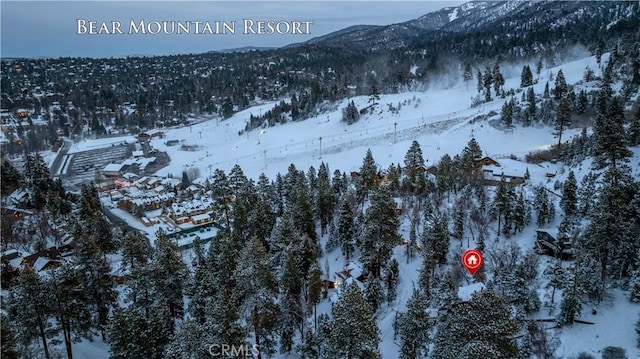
x=443, y=122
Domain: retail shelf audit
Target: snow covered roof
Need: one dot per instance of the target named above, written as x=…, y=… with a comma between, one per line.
x=464, y=293
x=18, y=196
x=10, y=254
x=201, y=217
x=354, y=269
x=130, y=176
x=113, y=167
x=508, y=167
x=41, y=263
x=154, y=180
x=171, y=182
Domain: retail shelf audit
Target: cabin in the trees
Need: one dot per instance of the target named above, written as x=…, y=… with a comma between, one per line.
x=19, y=197
x=43, y=260
x=352, y=270
x=547, y=244
x=507, y=170
x=432, y=170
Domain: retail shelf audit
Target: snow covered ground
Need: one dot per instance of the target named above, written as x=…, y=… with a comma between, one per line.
x=442, y=121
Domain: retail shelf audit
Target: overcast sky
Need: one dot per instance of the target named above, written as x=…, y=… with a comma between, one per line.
x=49, y=28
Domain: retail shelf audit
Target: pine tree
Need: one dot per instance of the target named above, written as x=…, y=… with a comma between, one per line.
x=506, y=114
x=257, y=290
x=545, y=92
x=633, y=135
x=561, y=88
x=610, y=145
x=326, y=199
x=346, y=233
x=222, y=196
x=373, y=292
x=313, y=286
x=606, y=92
x=526, y=78
x=498, y=79
x=291, y=305
x=38, y=179
x=169, y=273
x=70, y=304
x=29, y=312
x=350, y=114
x=222, y=260
x=189, y=341
x=480, y=84
x=413, y=327
x=412, y=160
x=9, y=345
x=224, y=323
x=588, y=275
x=186, y=182
x=352, y=331
x=556, y=278
x=94, y=271
x=308, y=349
x=435, y=236
x=368, y=172
x=521, y=215
x=569, y=201
x=10, y=176
x=199, y=290
x=583, y=102
x=487, y=81
x=545, y=210
x=391, y=278
x=482, y=324
x=262, y=214
x=459, y=218
x=300, y=208
x=504, y=202
x=586, y=194
x=468, y=74
x=571, y=304
x=469, y=159
x=445, y=180
x=380, y=232
x=374, y=94
x=539, y=67
x=563, y=118
x=131, y=334
x=531, y=98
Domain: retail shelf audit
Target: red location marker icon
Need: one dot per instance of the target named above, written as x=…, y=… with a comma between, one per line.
x=472, y=260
